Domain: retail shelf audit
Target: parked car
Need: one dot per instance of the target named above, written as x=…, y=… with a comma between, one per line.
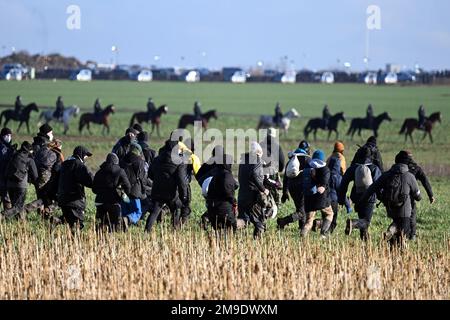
x=406, y=77
x=289, y=77
x=327, y=78
x=391, y=78
x=143, y=76
x=239, y=77
x=191, y=76
x=371, y=78
x=82, y=75
x=14, y=74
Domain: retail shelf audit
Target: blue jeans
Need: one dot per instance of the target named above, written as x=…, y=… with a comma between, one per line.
x=132, y=210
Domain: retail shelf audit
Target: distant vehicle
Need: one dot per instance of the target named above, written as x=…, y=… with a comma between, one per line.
x=289, y=77
x=228, y=73
x=327, y=78
x=82, y=75
x=14, y=74
x=391, y=78
x=239, y=77
x=406, y=77
x=192, y=76
x=371, y=78
x=144, y=76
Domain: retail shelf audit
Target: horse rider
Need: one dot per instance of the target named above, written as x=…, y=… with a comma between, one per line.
x=278, y=114
x=151, y=108
x=326, y=115
x=197, y=111
x=97, y=109
x=369, y=115
x=422, y=117
x=59, y=108
x=18, y=106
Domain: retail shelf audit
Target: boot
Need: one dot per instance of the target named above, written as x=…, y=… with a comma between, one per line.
x=317, y=225
x=350, y=225
x=325, y=227
x=283, y=222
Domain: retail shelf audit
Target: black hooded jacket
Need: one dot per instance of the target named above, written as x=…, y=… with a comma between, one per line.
x=223, y=186
x=134, y=167
x=106, y=182
x=169, y=178
x=73, y=177
x=251, y=180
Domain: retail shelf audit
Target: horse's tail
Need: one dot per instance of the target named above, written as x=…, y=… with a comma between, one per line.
x=307, y=129
x=132, y=120
x=403, y=130
x=81, y=124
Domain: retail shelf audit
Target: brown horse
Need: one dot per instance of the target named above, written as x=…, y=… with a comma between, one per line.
x=155, y=118
x=189, y=119
x=413, y=124
x=103, y=119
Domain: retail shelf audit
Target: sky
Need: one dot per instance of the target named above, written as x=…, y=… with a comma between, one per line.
x=317, y=34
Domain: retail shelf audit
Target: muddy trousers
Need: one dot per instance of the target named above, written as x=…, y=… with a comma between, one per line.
x=5, y=201
x=256, y=216
x=400, y=230
x=365, y=213
x=17, y=197
x=327, y=219
x=109, y=216
x=73, y=216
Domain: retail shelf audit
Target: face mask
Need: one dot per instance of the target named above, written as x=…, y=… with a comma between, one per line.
x=7, y=138
x=50, y=136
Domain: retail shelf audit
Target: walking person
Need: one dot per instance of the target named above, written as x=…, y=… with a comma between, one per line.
x=6, y=152
x=316, y=181
x=252, y=191
x=20, y=169
x=73, y=178
x=363, y=173
x=169, y=184
x=398, y=188
x=111, y=186
x=122, y=147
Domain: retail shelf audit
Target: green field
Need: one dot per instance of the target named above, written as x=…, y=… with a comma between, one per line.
x=239, y=106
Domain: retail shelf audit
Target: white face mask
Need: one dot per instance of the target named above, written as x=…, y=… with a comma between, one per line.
x=50, y=136
x=7, y=138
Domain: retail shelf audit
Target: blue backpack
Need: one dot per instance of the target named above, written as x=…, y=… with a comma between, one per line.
x=309, y=187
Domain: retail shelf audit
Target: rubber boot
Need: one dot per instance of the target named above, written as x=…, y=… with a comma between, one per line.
x=283, y=222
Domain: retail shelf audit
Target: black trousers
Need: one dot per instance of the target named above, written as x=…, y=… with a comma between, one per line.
x=365, y=213
x=5, y=198
x=186, y=207
x=17, y=197
x=402, y=227
x=73, y=216
x=174, y=207
x=108, y=216
x=413, y=226
x=255, y=214
x=221, y=216
x=335, y=207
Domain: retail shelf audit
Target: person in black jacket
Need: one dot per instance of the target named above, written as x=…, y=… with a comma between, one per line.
x=135, y=168
x=21, y=169
x=375, y=154
x=326, y=115
x=168, y=173
x=420, y=175
x=252, y=190
x=370, y=115
x=110, y=184
x=221, y=201
x=151, y=108
x=318, y=179
x=122, y=147
x=364, y=209
x=18, y=106
x=74, y=176
x=400, y=213
x=59, y=111
x=422, y=115
x=97, y=109
x=6, y=152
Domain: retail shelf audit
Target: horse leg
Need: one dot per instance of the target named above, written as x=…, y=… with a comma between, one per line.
x=315, y=135
x=157, y=130
x=329, y=135
x=88, y=125
x=337, y=135
x=20, y=125
x=28, y=127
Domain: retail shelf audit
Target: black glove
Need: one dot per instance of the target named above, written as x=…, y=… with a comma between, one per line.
x=284, y=198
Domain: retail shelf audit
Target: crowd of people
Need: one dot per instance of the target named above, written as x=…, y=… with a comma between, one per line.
x=135, y=180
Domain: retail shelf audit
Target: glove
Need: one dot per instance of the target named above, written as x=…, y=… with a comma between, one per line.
x=284, y=198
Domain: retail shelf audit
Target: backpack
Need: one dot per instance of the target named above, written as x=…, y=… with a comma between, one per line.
x=309, y=187
x=293, y=167
x=363, y=178
x=393, y=195
x=17, y=170
x=335, y=172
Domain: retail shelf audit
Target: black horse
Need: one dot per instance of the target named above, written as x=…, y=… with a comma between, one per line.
x=155, y=118
x=189, y=119
x=23, y=117
x=318, y=123
x=359, y=124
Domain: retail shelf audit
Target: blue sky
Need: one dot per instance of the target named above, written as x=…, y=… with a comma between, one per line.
x=314, y=34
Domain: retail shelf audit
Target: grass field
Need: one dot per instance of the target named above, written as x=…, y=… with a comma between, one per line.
x=38, y=263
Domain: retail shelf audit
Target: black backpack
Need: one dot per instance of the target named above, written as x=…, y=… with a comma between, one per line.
x=393, y=195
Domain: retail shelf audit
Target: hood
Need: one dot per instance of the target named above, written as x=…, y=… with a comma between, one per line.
x=317, y=164
x=399, y=168
x=41, y=139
